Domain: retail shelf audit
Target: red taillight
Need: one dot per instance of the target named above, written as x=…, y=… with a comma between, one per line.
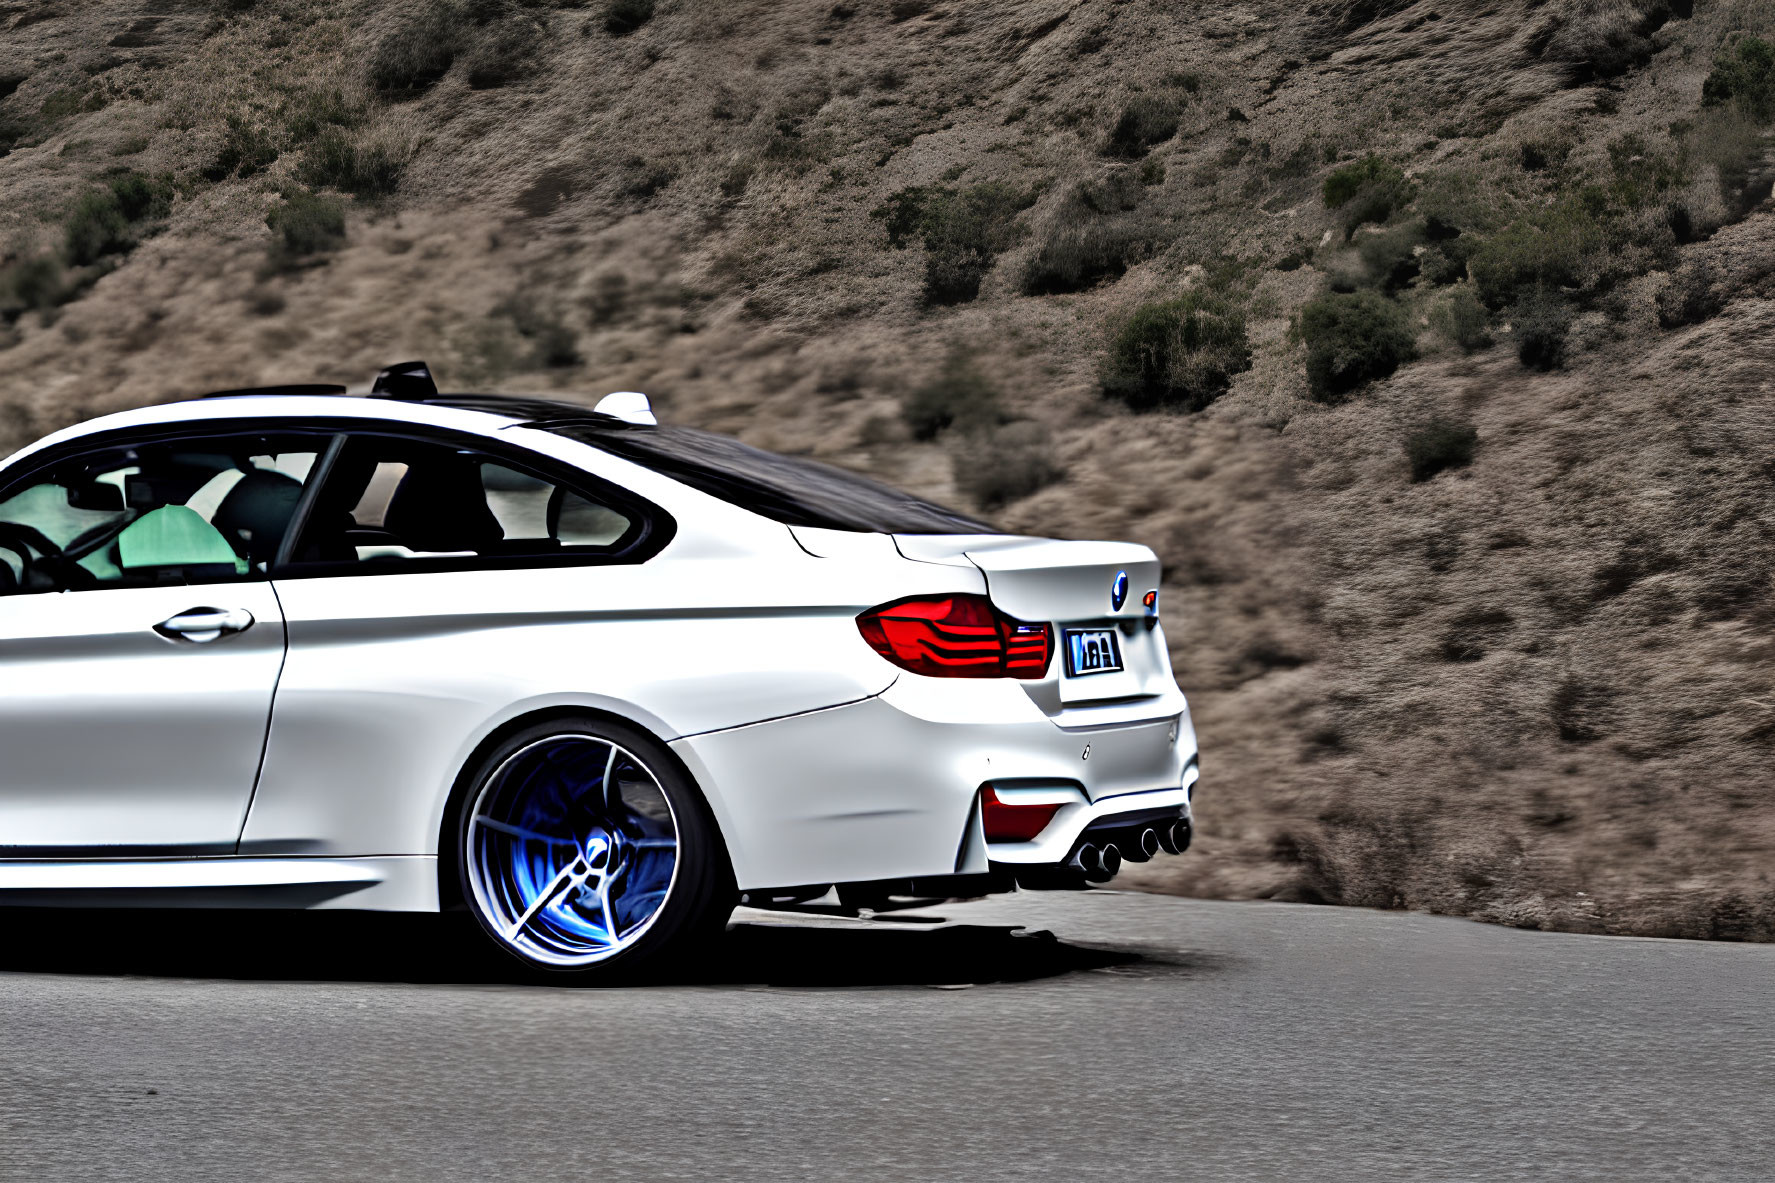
x=961, y=636
x=1013, y=823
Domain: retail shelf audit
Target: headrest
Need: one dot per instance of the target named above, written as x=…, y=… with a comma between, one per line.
x=256, y=512
x=441, y=506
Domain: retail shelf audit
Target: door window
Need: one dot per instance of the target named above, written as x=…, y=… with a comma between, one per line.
x=392, y=503
x=197, y=510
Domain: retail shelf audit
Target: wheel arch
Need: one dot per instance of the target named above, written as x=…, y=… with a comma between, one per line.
x=450, y=858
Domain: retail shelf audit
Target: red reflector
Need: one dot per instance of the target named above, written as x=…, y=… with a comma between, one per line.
x=960, y=636
x=1013, y=823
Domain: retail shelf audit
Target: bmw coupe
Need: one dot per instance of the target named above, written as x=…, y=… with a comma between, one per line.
x=593, y=678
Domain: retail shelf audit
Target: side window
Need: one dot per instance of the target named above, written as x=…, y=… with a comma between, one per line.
x=390, y=502
x=198, y=510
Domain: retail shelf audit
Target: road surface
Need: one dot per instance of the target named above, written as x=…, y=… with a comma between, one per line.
x=1146, y=1038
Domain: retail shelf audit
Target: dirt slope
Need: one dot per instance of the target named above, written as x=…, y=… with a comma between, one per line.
x=1538, y=687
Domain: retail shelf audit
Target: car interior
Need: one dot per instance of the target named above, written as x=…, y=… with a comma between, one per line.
x=204, y=510
x=177, y=512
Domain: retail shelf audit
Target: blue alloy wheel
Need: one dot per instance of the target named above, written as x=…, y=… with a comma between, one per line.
x=572, y=850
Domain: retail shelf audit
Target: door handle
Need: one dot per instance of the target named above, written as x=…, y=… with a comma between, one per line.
x=203, y=625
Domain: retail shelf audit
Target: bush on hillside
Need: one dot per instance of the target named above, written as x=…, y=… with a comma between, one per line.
x=312, y=112
x=1689, y=296
x=1178, y=354
x=1463, y=320
x=96, y=227
x=1390, y=258
x=959, y=395
x=1079, y=251
x=963, y=232
x=1743, y=74
x=1439, y=445
x=141, y=198
x=1369, y=190
x=1539, y=325
x=1557, y=248
x=622, y=17
x=305, y=225
x=418, y=50
x=1353, y=339
x=34, y=284
x=997, y=465
x=1146, y=121
x=246, y=151
x=338, y=160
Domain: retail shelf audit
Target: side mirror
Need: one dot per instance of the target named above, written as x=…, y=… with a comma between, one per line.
x=96, y=495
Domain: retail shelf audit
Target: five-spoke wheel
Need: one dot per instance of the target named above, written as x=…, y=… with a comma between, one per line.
x=578, y=841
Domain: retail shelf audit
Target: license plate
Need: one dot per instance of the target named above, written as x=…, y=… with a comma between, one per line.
x=1092, y=651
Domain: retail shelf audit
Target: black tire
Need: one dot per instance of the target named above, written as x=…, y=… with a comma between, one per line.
x=701, y=895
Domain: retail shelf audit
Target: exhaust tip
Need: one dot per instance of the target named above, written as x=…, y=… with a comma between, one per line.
x=1145, y=846
x=1109, y=861
x=1085, y=859
x=1167, y=836
x=1181, y=833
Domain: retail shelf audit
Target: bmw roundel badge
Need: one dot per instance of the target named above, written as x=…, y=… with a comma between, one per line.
x=1118, y=592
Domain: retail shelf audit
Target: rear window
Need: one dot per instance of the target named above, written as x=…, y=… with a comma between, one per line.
x=793, y=491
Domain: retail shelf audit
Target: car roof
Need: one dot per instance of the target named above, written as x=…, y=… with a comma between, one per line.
x=479, y=414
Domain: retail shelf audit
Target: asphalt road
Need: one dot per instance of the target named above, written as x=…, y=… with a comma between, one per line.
x=1147, y=1038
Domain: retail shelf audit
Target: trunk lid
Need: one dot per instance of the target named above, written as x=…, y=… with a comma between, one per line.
x=1071, y=586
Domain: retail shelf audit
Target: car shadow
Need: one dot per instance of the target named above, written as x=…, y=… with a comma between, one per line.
x=432, y=949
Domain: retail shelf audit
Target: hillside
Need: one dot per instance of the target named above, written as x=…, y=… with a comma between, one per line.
x=1430, y=344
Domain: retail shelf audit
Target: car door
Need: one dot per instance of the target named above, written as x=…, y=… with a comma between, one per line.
x=140, y=640
x=426, y=592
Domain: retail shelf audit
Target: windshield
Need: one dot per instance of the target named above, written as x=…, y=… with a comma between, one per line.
x=787, y=489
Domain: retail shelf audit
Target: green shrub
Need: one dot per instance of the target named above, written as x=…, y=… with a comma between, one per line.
x=96, y=227
x=1353, y=339
x=246, y=150
x=1439, y=445
x=316, y=110
x=1538, y=326
x=1640, y=174
x=306, y=224
x=1147, y=120
x=958, y=396
x=1371, y=173
x=37, y=283
x=72, y=101
x=1743, y=74
x=962, y=230
x=553, y=345
x=1554, y=249
x=1079, y=251
x=1178, y=354
x=365, y=170
x=141, y=198
x=1000, y=464
x=417, y=50
x=1689, y=297
x=1390, y=258
x=622, y=17
x=1462, y=319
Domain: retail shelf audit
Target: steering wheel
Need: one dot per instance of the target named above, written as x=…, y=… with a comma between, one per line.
x=49, y=562
x=31, y=547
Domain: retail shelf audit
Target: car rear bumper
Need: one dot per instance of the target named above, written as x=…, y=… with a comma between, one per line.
x=888, y=788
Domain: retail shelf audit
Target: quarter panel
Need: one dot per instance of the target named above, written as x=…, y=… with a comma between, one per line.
x=392, y=681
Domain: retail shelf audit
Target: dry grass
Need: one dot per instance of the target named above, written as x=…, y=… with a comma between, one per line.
x=1537, y=687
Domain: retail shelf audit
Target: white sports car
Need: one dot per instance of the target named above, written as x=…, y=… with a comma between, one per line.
x=593, y=678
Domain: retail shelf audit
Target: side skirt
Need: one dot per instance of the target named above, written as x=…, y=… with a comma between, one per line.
x=382, y=884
